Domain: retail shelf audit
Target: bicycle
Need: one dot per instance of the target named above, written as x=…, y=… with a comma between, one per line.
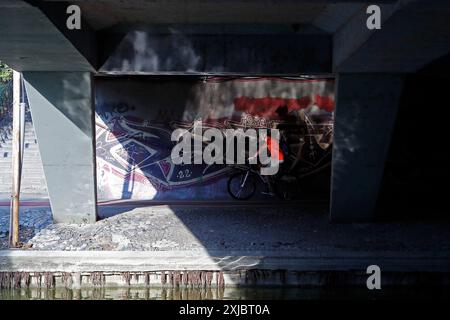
x=242, y=185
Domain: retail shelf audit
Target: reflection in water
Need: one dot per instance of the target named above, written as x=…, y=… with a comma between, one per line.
x=126, y=293
x=227, y=293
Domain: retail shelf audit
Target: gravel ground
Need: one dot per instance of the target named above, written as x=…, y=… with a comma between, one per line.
x=138, y=229
x=31, y=222
x=162, y=228
x=165, y=228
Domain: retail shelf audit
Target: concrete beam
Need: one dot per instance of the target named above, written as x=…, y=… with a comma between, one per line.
x=30, y=41
x=62, y=107
x=83, y=39
x=141, y=12
x=364, y=118
x=336, y=15
x=217, y=50
x=413, y=33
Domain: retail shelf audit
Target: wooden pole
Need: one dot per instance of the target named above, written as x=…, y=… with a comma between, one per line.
x=16, y=165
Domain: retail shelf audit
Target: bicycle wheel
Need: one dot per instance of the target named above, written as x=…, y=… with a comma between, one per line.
x=241, y=185
x=286, y=187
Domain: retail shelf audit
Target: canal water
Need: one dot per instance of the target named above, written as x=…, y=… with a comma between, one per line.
x=228, y=293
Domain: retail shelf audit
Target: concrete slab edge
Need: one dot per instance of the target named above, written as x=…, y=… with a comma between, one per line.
x=21, y=268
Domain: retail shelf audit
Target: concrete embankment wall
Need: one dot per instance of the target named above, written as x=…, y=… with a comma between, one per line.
x=197, y=269
x=33, y=179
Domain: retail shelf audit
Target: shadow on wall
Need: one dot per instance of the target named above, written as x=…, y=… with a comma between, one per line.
x=177, y=49
x=417, y=172
x=135, y=118
x=69, y=93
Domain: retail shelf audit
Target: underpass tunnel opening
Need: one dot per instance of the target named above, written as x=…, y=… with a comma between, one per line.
x=136, y=116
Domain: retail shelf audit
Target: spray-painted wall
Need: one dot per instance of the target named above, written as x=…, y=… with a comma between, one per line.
x=135, y=117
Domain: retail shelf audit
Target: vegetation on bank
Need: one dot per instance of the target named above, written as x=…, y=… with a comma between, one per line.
x=5, y=72
x=5, y=91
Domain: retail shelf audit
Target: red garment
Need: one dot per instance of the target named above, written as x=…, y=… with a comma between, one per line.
x=274, y=148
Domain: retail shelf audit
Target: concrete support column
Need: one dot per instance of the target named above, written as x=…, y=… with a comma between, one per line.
x=365, y=114
x=62, y=107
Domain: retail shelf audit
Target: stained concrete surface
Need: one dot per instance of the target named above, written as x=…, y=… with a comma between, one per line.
x=62, y=108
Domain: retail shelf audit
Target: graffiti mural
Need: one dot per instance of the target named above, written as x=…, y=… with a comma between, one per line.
x=136, y=117
x=137, y=153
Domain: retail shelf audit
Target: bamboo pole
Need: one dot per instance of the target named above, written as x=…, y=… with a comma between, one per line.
x=16, y=163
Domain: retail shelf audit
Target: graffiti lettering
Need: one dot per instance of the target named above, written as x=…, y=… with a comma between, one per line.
x=186, y=173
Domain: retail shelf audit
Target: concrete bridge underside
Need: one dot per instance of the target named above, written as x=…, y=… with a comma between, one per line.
x=290, y=38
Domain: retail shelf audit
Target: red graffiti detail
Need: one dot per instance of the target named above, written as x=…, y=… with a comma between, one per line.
x=267, y=106
x=325, y=103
